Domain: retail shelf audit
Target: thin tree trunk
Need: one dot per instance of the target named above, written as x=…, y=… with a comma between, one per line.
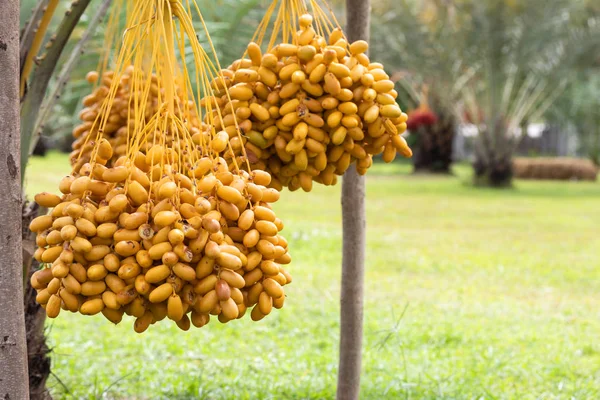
x=13, y=346
x=354, y=239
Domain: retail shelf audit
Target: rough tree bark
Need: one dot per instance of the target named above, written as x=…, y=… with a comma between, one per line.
x=354, y=239
x=13, y=347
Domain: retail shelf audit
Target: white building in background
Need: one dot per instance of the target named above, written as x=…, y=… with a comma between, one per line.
x=541, y=139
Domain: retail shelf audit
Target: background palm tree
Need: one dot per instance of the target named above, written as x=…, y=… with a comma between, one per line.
x=432, y=135
x=494, y=63
x=416, y=41
x=525, y=56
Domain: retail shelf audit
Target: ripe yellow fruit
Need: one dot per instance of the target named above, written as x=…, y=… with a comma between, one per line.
x=53, y=306
x=165, y=218
x=127, y=248
x=92, y=307
x=175, y=308
x=229, y=309
x=142, y=323
x=184, y=271
x=233, y=278
x=359, y=47
x=51, y=254
x=71, y=301
x=114, y=316
x=41, y=223
x=161, y=293
x=47, y=200
x=91, y=288
x=273, y=288
x=208, y=302
x=110, y=300
x=114, y=283
x=265, y=303
x=116, y=174
x=92, y=76
x=137, y=193
x=158, y=250
x=157, y=274
x=53, y=286
x=359, y=91
x=206, y=284
x=267, y=228
x=229, y=261
x=256, y=314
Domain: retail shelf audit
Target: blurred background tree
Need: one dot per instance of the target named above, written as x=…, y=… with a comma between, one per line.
x=417, y=41
x=496, y=64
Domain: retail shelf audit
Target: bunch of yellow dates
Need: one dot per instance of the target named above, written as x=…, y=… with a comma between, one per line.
x=309, y=110
x=142, y=239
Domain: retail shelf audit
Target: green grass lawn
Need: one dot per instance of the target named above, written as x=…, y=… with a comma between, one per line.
x=471, y=294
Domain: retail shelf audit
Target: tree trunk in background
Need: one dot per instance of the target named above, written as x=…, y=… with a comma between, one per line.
x=434, y=146
x=354, y=241
x=496, y=172
x=35, y=315
x=493, y=158
x=13, y=346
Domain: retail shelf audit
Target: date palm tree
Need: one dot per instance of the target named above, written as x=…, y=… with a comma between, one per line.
x=496, y=63
x=414, y=41
x=434, y=133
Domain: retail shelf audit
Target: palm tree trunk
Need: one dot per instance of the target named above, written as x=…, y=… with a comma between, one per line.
x=354, y=239
x=496, y=172
x=435, y=143
x=493, y=161
x=13, y=346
